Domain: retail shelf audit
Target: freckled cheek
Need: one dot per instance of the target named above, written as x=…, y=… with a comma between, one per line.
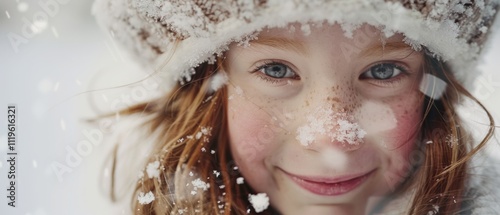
x=399, y=145
x=407, y=137
x=407, y=129
x=391, y=124
x=250, y=134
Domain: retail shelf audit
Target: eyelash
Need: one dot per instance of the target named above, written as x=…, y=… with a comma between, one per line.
x=266, y=78
x=381, y=82
x=391, y=81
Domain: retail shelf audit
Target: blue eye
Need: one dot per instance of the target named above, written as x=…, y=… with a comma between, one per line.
x=277, y=70
x=383, y=71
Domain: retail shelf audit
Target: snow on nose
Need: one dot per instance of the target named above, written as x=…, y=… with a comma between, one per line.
x=338, y=127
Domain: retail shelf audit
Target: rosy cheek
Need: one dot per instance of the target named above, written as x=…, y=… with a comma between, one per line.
x=409, y=118
x=401, y=141
x=250, y=132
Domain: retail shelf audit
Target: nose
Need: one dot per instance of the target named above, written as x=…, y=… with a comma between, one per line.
x=326, y=127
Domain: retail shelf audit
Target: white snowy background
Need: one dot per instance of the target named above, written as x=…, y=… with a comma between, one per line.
x=61, y=74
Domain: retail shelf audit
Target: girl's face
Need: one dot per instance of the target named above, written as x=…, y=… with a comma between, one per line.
x=322, y=123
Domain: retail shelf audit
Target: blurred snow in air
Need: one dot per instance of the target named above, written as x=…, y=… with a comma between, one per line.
x=23, y=6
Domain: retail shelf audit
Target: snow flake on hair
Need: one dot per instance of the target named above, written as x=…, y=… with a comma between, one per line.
x=451, y=140
x=145, y=199
x=199, y=184
x=153, y=169
x=204, y=134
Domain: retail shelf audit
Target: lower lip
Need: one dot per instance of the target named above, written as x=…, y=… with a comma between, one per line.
x=330, y=189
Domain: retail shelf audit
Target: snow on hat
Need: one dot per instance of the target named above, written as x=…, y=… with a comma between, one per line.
x=198, y=30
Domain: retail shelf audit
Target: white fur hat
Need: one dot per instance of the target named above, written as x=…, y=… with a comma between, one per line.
x=198, y=30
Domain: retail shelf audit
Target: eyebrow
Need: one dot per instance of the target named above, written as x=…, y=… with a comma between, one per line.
x=383, y=48
x=281, y=43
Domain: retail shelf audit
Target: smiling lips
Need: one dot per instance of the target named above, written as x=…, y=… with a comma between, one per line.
x=330, y=186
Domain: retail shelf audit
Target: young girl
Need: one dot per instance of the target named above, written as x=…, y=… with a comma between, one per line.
x=306, y=107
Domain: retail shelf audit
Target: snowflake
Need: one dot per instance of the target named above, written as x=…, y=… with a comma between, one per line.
x=239, y=180
x=452, y=140
x=260, y=201
x=199, y=184
x=145, y=198
x=152, y=169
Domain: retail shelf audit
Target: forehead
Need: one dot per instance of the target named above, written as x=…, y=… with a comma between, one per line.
x=300, y=37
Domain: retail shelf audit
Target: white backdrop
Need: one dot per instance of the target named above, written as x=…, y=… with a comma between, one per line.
x=51, y=74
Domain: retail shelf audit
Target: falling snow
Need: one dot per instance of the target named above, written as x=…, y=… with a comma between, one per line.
x=56, y=87
x=45, y=85
x=39, y=26
x=106, y=172
x=63, y=124
x=23, y=6
x=54, y=32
